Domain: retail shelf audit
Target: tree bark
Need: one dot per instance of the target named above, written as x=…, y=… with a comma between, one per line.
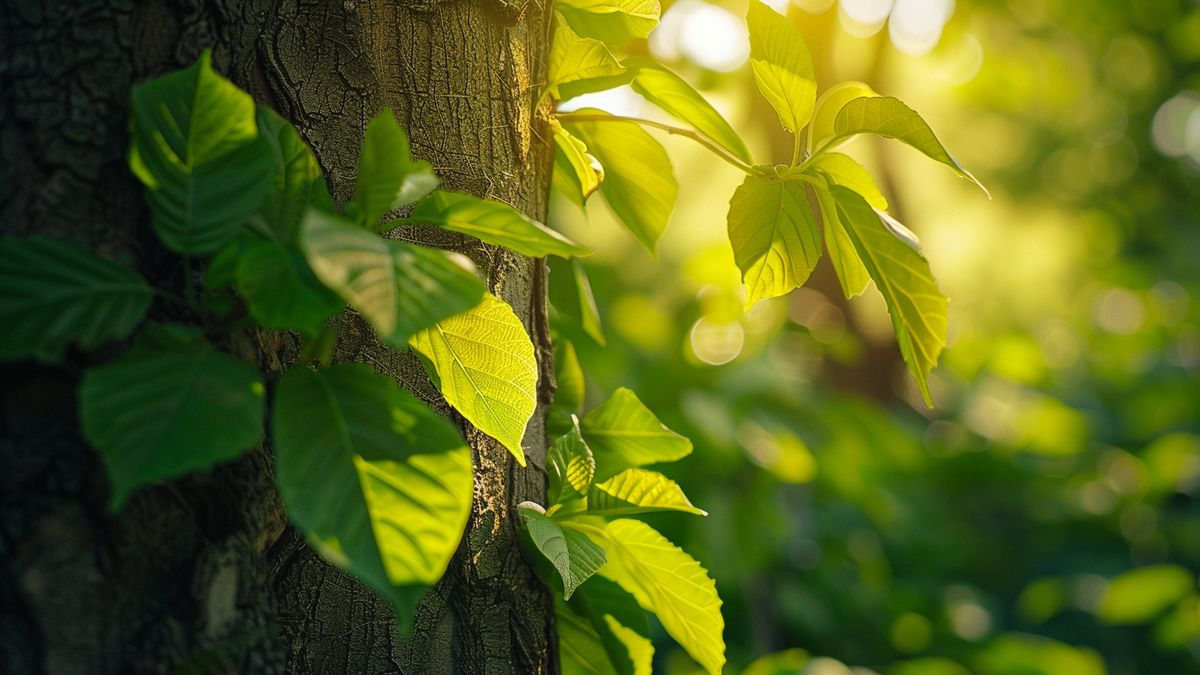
x=204, y=574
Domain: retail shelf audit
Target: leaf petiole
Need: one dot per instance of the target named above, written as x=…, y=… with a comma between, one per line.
x=673, y=130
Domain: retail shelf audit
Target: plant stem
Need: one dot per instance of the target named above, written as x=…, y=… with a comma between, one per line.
x=796, y=148
x=674, y=131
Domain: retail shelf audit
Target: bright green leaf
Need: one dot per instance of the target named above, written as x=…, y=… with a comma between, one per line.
x=1139, y=595
x=890, y=118
x=571, y=296
x=577, y=174
x=574, y=556
x=388, y=178
x=677, y=98
x=851, y=272
x=775, y=239
x=639, y=184
x=197, y=149
x=623, y=433
x=669, y=582
x=379, y=483
x=637, y=647
x=161, y=412
x=614, y=22
x=399, y=288
x=782, y=66
x=57, y=294
x=635, y=491
x=483, y=363
x=840, y=169
x=281, y=291
x=902, y=275
x=296, y=174
x=786, y=662
x=821, y=129
x=568, y=397
x=570, y=466
x=579, y=65
x=495, y=223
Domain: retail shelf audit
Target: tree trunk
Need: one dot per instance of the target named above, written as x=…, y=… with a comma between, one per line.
x=204, y=574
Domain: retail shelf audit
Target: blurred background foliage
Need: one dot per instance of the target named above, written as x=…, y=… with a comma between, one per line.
x=1044, y=517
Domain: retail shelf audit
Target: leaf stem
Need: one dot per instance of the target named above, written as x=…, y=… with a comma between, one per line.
x=796, y=148
x=674, y=131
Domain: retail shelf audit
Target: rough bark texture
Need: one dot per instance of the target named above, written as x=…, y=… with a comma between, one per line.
x=204, y=574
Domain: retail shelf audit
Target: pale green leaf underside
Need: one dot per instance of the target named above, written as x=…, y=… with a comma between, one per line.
x=669, y=582
x=902, y=275
x=573, y=555
x=399, y=288
x=152, y=415
x=379, y=483
x=782, y=66
x=495, y=223
x=639, y=184
x=820, y=129
x=57, y=294
x=612, y=21
x=575, y=61
x=635, y=491
x=484, y=364
x=623, y=433
x=677, y=98
x=776, y=243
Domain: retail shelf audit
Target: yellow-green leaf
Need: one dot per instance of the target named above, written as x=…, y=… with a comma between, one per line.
x=635, y=491
x=1139, y=595
x=902, y=275
x=579, y=65
x=623, y=433
x=577, y=174
x=677, y=98
x=570, y=465
x=612, y=21
x=782, y=66
x=840, y=169
x=495, y=223
x=776, y=243
x=851, y=272
x=667, y=581
x=829, y=104
x=483, y=363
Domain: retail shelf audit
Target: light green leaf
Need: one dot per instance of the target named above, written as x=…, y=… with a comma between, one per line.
x=614, y=22
x=483, y=363
x=785, y=662
x=677, y=98
x=782, y=66
x=581, y=650
x=568, y=397
x=1140, y=595
x=161, y=412
x=576, y=173
x=623, y=433
x=638, y=647
x=635, y=491
x=399, y=288
x=379, y=483
x=570, y=466
x=388, y=178
x=669, y=582
x=639, y=183
x=571, y=296
x=57, y=294
x=579, y=65
x=196, y=148
x=574, y=556
x=902, y=275
x=775, y=239
x=840, y=169
x=296, y=174
x=890, y=118
x=616, y=630
x=495, y=223
x=821, y=129
x=281, y=291
x=851, y=272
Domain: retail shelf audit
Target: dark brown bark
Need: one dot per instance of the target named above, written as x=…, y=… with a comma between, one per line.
x=204, y=574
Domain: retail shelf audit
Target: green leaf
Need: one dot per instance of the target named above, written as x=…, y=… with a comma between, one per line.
x=573, y=555
x=163, y=411
x=821, y=129
x=639, y=184
x=379, y=483
x=623, y=433
x=581, y=649
x=579, y=65
x=388, y=178
x=840, y=169
x=399, y=288
x=851, y=272
x=890, y=118
x=635, y=491
x=779, y=663
x=669, y=582
x=197, y=149
x=571, y=296
x=615, y=627
x=614, y=22
x=483, y=363
x=677, y=98
x=296, y=174
x=281, y=291
x=495, y=223
x=902, y=275
x=638, y=648
x=57, y=294
x=782, y=66
x=568, y=397
x=576, y=173
x=570, y=466
x=1139, y=595
x=775, y=239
